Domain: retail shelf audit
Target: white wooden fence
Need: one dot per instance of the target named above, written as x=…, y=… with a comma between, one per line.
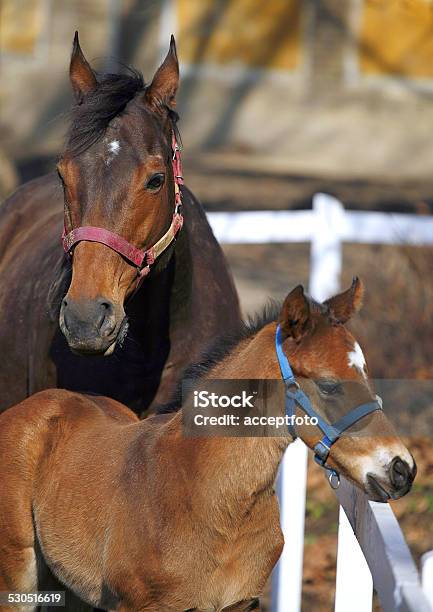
x=371, y=546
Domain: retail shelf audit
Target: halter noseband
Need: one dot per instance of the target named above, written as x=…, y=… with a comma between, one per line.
x=139, y=258
x=332, y=432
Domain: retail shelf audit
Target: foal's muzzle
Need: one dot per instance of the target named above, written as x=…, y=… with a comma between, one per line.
x=400, y=477
x=91, y=326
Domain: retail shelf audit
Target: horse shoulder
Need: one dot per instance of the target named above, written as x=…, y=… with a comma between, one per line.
x=44, y=191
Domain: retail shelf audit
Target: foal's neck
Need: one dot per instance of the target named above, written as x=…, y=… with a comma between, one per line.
x=243, y=467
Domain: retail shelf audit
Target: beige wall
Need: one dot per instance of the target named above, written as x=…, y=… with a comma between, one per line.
x=320, y=86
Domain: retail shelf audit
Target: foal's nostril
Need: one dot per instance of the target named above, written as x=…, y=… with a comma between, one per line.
x=400, y=473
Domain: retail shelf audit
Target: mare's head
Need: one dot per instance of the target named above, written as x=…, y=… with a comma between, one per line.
x=330, y=367
x=117, y=175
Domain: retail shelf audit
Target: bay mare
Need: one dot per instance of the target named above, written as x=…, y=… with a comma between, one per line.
x=132, y=515
x=58, y=316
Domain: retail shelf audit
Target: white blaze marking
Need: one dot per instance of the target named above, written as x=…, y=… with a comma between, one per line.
x=356, y=358
x=114, y=147
x=113, y=150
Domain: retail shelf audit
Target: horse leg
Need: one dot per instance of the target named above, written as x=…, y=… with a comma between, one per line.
x=48, y=582
x=18, y=572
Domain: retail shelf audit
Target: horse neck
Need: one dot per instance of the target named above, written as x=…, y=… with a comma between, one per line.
x=164, y=297
x=181, y=289
x=238, y=469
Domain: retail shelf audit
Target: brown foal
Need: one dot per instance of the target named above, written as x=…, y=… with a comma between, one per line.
x=133, y=515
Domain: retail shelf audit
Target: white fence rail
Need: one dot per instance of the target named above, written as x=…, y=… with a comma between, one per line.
x=394, y=572
x=371, y=546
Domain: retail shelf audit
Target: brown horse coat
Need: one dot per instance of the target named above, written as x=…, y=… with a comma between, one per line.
x=189, y=297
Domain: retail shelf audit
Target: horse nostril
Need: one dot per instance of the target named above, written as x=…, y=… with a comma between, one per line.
x=400, y=473
x=66, y=314
x=106, y=322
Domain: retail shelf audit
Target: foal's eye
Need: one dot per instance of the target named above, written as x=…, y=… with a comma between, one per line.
x=329, y=387
x=155, y=182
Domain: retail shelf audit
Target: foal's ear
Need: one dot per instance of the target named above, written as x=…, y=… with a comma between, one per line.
x=346, y=304
x=162, y=90
x=295, y=314
x=82, y=77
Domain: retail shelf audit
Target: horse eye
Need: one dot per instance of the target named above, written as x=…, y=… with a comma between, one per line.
x=155, y=182
x=329, y=387
x=59, y=174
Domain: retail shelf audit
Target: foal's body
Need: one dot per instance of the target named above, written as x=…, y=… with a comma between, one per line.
x=154, y=527
x=131, y=515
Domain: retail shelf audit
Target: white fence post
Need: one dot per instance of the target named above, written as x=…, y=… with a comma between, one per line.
x=291, y=486
x=354, y=584
x=326, y=252
x=427, y=575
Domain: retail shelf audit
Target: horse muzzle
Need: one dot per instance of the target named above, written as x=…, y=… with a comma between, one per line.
x=395, y=483
x=93, y=326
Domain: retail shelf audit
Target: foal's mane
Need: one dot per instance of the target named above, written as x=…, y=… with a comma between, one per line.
x=91, y=117
x=222, y=347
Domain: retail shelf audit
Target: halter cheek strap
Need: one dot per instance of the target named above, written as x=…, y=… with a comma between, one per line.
x=141, y=259
x=295, y=396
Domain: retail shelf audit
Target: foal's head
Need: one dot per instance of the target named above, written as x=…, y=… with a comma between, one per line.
x=117, y=175
x=330, y=368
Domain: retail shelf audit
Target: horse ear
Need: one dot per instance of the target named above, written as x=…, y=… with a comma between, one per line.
x=82, y=77
x=344, y=305
x=295, y=314
x=163, y=88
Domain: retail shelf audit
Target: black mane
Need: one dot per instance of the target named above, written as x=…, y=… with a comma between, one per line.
x=90, y=119
x=221, y=348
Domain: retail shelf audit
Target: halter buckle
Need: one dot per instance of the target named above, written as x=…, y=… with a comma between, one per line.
x=291, y=382
x=142, y=272
x=334, y=479
x=176, y=149
x=321, y=452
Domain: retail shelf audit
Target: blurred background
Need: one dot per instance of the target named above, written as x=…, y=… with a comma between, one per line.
x=278, y=100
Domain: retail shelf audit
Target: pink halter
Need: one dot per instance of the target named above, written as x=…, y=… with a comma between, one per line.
x=139, y=258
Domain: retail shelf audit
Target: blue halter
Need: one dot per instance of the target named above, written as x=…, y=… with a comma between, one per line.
x=331, y=431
